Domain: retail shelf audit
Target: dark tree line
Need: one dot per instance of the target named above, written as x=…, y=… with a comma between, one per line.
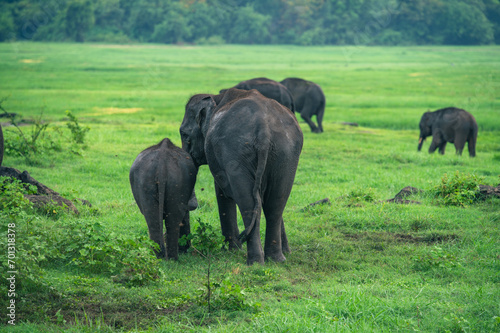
x=302, y=22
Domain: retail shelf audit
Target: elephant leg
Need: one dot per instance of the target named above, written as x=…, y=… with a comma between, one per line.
x=319, y=118
x=275, y=232
x=275, y=200
x=471, y=145
x=436, y=142
x=185, y=229
x=459, y=142
x=250, y=209
x=173, y=221
x=155, y=229
x=442, y=147
x=285, y=247
x=228, y=219
x=307, y=118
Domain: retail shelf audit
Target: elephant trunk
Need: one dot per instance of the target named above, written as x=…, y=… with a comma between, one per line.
x=420, y=142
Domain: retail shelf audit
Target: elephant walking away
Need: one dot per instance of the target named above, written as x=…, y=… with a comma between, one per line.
x=309, y=100
x=449, y=125
x=162, y=178
x=252, y=146
x=270, y=89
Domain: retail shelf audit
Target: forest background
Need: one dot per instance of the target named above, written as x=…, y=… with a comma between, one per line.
x=300, y=22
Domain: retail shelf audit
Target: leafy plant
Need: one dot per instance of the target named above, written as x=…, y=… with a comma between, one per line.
x=96, y=250
x=29, y=145
x=436, y=258
x=205, y=240
x=12, y=193
x=77, y=132
x=360, y=195
x=458, y=190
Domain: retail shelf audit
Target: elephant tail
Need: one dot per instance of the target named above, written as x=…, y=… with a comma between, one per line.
x=472, y=141
x=160, y=183
x=261, y=166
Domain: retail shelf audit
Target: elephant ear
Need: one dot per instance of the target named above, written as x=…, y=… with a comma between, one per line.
x=206, y=106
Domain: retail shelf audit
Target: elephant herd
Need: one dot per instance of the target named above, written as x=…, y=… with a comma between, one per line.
x=250, y=139
x=251, y=144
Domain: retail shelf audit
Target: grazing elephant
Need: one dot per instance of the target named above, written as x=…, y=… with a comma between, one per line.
x=1, y=145
x=270, y=89
x=252, y=146
x=449, y=125
x=309, y=101
x=162, y=178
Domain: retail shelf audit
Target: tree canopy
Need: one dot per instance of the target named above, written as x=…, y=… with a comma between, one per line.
x=300, y=22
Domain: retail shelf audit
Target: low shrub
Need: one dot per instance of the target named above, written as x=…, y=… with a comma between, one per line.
x=458, y=190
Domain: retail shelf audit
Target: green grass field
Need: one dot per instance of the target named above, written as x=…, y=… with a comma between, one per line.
x=357, y=265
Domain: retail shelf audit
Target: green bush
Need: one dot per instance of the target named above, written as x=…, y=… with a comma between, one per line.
x=458, y=190
x=358, y=196
x=436, y=258
x=12, y=193
x=77, y=132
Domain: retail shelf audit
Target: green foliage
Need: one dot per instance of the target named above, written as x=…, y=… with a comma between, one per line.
x=360, y=195
x=436, y=258
x=300, y=22
x=351, y=269
x=79, y=19
x=227, y=296
x=42, y=139
x=33, y=144
x=12, y=192
x=205, y=239
x=6, y=23
x=223, y=295
x=93, y=249
x=458, y=190
x=77, y=132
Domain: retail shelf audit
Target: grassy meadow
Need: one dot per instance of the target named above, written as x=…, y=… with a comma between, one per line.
x=358, y=264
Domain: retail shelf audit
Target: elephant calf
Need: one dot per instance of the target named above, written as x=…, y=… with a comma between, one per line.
x=449, y=125
x=162, y=178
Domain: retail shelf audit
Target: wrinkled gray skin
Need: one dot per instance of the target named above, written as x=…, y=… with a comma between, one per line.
x=309, y=101
x=252, y=146
x=270, y=89
x=162, y=178
x=449, y=125
x=1, y=145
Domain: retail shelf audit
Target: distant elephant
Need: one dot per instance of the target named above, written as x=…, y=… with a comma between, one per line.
x=252, y=146
x=1, y=145
x=309, y=101
x=270, y=89
x=162, y=178
x=449, y=125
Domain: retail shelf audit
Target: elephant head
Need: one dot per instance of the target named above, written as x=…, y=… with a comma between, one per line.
x=194, y=126
x=425, y=127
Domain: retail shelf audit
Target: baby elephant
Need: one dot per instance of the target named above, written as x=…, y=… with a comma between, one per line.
x=162, y=178
x=449, y=125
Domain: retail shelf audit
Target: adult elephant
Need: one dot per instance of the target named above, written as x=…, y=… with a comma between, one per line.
x=309, y=101
x=449, y=125
x=252, y=146
x=270, y=89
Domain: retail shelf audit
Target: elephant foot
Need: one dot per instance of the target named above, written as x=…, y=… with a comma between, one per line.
x=276, y=258
x=255, y=257
x=251, y=261
x=317, y=130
